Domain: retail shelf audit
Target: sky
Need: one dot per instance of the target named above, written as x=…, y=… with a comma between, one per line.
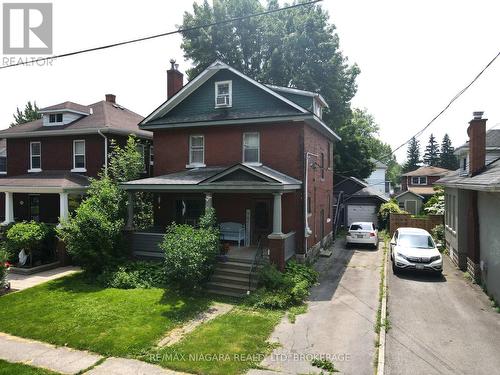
x=414, y=57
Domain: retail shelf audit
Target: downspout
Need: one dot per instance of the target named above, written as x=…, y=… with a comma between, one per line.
x=105, y=151
x=307, y=230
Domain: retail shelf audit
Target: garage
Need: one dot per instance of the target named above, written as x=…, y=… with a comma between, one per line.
x=361, y=212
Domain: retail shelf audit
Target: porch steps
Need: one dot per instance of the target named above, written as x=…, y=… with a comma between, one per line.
x=231, y=278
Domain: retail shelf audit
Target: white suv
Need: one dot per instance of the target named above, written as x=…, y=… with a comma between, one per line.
x=362, y=233
x=414, y=249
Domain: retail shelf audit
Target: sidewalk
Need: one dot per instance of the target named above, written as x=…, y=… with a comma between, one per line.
x=20, y=282
x=339, y=323
x=69, y=361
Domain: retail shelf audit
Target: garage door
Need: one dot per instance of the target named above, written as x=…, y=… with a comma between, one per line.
x=359, y=212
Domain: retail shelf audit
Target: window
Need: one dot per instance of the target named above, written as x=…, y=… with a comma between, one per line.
x=142, y=152
x=329, y=205
x=223, y=94
x=419, y=180
x=330, y=155
x=79, y=155
x=251, y=148
x=151, y=155
x=55, y=118
x=3, y=161
x=197, y=150
x=35, y=156
x=401, y=205
x=309, y=209
x=322, y=166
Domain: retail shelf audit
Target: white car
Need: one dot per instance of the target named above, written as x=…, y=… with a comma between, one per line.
x=362, y=233
x=414, y=249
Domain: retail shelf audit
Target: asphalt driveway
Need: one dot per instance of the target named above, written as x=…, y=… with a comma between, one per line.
x=440, y=326
x=339, y=323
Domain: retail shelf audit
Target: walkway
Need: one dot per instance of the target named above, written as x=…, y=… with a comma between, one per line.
x=20, y=282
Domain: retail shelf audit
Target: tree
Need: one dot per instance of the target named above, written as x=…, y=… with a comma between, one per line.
x=412, y=156
x=448, y=159
x=431, y=155
x=296, y=48
x=30, y=113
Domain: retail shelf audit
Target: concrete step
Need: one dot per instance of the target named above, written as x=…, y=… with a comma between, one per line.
x=228, y=287
x=226, y=293
x=239, y=260
x=235, y=265
x=232, y=272
x=233, y=280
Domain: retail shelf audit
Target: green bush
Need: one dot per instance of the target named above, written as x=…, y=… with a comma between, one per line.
x=190, y=253
x=385, y=211
x=134, y=275
x=438, y=234
x=4, y=265
x=36, y=239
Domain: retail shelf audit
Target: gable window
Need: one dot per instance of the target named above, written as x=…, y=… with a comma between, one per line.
x=223, y=94
x=79, y=156
x=55, y=118
x=419, y=180
x=35, y=157
x=251, y=148
x=196, y=151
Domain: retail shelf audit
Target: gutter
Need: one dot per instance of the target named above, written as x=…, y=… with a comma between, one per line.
x=51, y=133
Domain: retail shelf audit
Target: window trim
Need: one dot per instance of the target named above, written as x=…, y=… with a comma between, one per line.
x=84, y=168
x=192, y=164
x=258, y=162
x=31, y=169
x=419, y=180
x=151, y=155
x=230, y=94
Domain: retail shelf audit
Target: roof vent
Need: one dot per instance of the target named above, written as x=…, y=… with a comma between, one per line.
x=478, y=115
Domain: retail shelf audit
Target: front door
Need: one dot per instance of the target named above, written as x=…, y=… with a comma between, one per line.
x=34, y=202
x=262, y=220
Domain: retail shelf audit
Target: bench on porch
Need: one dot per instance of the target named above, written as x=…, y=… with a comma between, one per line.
x=231, y=231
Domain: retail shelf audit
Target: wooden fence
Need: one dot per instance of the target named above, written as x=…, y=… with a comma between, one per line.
x=406, y=220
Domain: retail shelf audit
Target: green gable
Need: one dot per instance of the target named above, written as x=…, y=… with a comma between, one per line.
x=303, y=100
x=248, y=102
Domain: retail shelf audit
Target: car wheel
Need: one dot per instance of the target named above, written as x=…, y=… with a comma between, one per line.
x=395, y=269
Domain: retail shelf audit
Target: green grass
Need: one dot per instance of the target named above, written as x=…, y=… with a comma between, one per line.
x=229, y=344
x=116, y=322
x=296, y=310
x=7, y=368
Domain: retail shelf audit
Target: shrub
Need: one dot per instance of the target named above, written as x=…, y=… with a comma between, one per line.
x=435, y=204
x=4, y=266
x=36, y=239
x=385, y=211
x=438, y=234
x=190, y=252
x=134, y=275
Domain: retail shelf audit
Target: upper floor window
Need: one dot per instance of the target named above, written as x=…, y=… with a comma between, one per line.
x=3, y=161
x=223, y=94
x=79, y=156
x=322, y=165
x=35, y=156
x=251, y=148
x=419, y=180
x=142, y=152
x=196, y=150
x=55, y=118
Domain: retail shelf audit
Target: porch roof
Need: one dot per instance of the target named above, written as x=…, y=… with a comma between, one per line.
x=45, y=182
x=239, y=177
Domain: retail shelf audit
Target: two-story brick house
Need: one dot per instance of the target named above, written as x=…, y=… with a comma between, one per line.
x=259, y=154
x=418, y=186
x=49, y=161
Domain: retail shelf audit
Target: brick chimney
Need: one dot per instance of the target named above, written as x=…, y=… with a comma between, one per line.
x=477, y=143
x=174, y=79
x=110, y=98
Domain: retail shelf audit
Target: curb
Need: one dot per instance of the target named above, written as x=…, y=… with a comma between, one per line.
x=383, y=316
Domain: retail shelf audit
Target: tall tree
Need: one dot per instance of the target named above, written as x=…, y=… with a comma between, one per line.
x=296, y=48
x=30, y=113
x=448, y=159
x=412, y=156
x=431, y=155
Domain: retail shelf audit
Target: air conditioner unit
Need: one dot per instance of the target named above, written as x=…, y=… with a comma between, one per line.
x=222, y=100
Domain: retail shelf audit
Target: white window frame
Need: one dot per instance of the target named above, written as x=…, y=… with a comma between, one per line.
x=419, y=180
x=230, y=84
x=84, y=168
x=31, y=157
x=243, y=149
x=191, y=163
x=55, y=122
x=151, y=155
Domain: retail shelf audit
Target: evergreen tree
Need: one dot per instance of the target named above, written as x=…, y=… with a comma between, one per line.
x=447, y=158
x=412, y=156
x=431, y=155
x=30, y=113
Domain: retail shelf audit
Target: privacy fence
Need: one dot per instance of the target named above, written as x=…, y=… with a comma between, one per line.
x=406, y=220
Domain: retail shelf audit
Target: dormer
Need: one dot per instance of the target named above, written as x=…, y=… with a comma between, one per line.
x=312, y=101
x=63, y=114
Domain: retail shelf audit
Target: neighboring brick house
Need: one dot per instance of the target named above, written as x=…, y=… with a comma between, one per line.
x=48, y=161
x=259, y=154
x=417, y=187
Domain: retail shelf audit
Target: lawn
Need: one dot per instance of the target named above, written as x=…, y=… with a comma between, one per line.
x=229, y=344
x=7, y=368
x=116, y=322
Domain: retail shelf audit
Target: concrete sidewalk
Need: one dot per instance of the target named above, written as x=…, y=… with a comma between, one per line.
x=21, y=282
x=339, y=323
x=70, y=361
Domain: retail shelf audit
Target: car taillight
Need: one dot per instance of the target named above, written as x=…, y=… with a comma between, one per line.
x=372, y=234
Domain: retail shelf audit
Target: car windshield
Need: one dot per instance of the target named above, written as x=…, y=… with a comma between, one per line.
x=361, y=226
x=420, y=241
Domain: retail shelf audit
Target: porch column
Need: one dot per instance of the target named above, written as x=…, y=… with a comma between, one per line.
x=208, y=201
x=63, y=207
x=9, y=208
x=130, y=211
x=277, y=214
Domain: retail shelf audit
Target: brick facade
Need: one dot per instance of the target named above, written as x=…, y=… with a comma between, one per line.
x=406, y=182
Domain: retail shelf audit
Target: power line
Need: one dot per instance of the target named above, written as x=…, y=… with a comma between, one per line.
x=458, y=95
x=162, y=34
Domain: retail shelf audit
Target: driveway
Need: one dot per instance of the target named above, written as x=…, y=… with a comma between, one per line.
x=440, y=326
x=339, y=323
